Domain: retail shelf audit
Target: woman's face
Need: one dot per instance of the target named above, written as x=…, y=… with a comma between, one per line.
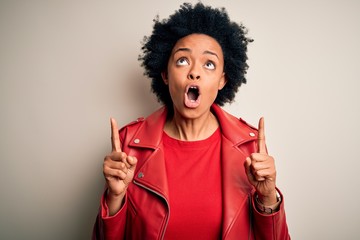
x=195, y=74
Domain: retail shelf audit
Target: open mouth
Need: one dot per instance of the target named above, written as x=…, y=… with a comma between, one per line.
x=192, y=96
x=193, y=93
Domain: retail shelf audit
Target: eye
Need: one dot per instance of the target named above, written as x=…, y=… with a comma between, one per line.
x=182, y=62
x=210, y=65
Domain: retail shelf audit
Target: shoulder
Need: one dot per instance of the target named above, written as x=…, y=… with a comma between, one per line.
x=247, y=125
x=146, y=125
x=134, y=124
x=131, y=127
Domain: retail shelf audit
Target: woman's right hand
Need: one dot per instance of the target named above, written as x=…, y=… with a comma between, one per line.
x=118, y=169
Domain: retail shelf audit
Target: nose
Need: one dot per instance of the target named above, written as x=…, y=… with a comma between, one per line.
x=194, y=76
x=194, y=71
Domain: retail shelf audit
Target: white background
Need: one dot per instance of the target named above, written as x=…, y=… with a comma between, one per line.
x=67, y=66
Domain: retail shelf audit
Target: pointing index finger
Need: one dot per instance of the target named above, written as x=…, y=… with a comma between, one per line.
x=115, y=140
x=261, y=137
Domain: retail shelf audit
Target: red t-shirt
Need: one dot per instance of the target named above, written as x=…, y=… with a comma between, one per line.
x=194, y=177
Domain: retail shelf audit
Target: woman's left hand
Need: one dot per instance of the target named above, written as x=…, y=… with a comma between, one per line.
x=260, y=170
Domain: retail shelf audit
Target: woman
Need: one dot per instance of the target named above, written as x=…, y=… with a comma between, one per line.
x=190, y=170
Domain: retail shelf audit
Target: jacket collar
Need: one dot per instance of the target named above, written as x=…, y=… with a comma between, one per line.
x=231, y=129
x=150, y=132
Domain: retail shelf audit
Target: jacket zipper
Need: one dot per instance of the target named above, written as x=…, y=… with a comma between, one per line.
x=160, y=195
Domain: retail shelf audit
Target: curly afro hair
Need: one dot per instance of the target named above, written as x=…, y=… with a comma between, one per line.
x=201, y=19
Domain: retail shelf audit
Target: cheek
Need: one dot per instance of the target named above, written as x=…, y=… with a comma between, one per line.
x=174, y=84
x=175, y=89
x=211, y=93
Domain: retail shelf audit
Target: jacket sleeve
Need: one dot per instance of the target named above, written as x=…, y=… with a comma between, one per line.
x=270, y=226
x=113, y=227
x=110, y=227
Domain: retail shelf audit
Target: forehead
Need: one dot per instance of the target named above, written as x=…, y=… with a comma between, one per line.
x=200, y=42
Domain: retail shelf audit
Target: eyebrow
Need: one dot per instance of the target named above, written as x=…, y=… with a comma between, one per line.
x=211, y=53
x=189, y=50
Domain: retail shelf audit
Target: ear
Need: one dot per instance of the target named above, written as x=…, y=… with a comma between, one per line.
x=222, y=81
x=164, y=76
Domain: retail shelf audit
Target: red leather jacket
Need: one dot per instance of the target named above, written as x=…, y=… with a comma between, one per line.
x=145, y=212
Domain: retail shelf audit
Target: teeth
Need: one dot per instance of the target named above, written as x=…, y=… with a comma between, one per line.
x=193, y=93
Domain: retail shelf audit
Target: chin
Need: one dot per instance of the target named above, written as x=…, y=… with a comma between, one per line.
x=191, y=113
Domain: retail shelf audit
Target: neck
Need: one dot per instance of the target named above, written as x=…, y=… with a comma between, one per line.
x=191, y=129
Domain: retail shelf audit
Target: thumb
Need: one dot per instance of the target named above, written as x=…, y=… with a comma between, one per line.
x=249, y=174
x=132, y=161
x=247, y=165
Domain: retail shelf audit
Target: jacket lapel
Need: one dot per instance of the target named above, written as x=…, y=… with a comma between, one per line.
x=235, y=185
x=151, y=170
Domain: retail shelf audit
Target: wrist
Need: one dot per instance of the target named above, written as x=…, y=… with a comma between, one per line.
x=270, y=206
x=268, y=199
x=113, y=196
x=114, y=202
